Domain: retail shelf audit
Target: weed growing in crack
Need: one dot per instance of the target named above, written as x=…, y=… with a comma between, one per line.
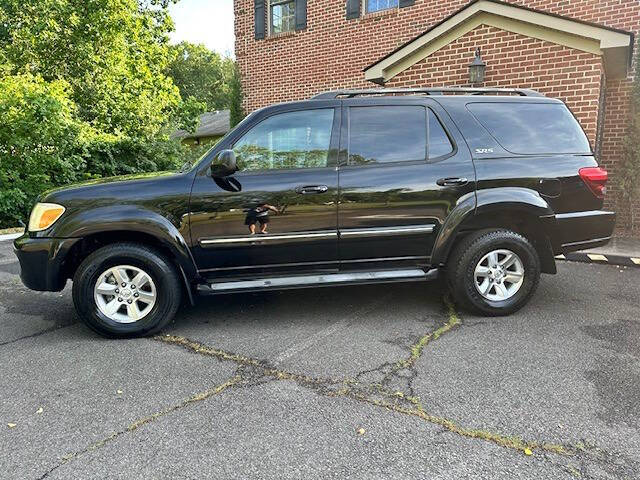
x=377, y=393
x=251, y=372
x=143, y=421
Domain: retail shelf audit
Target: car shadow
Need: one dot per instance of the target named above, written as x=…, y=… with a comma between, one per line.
x=312, y=305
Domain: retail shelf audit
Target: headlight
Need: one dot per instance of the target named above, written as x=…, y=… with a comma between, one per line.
x=44, y=215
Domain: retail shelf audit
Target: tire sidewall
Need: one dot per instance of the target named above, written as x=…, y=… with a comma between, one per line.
x=531, y=264
x=155, y=266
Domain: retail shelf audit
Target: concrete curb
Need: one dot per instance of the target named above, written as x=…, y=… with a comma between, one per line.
x=601, y=258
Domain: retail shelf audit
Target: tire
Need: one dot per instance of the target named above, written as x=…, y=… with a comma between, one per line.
x=156, y=299
x=485, y=286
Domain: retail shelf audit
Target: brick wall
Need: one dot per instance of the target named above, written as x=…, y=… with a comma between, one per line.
x=332, y=53
x=514, y=60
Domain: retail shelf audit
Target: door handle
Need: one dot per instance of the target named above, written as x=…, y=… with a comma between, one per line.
x=305, y=190
x=452, y=182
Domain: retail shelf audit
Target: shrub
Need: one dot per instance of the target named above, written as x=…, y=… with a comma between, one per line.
x=107, y=156
x=42, y=146
x=39, y=142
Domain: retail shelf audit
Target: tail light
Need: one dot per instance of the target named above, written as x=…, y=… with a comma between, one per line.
x=596, y=179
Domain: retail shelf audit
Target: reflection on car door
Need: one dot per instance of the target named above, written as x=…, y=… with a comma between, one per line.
x=279, y=211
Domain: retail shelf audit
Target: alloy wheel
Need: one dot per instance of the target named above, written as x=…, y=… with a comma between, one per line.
x=125, y=294
x=498, y=276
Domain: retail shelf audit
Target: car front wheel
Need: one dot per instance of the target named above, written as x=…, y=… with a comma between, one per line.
x=126, y=290
x=494, y=272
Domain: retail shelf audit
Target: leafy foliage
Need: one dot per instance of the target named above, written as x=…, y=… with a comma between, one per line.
x=113, y=54
x=39, y=142
x=85, y=93
x=202, y=74
x=256, y=157
x=236, y=110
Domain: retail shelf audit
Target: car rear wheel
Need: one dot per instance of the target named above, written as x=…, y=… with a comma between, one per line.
x=493, y=272
x=126, y=290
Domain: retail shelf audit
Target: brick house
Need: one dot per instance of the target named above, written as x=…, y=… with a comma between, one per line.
x=577, y=50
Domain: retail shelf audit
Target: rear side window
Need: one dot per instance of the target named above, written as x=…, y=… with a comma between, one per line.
x=532, y=128
x=383, y=134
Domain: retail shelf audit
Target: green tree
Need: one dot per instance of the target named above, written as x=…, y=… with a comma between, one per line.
x=236, y=111
x=201, y=74
x=112, y=53
x=84, y=94
x=39, y=142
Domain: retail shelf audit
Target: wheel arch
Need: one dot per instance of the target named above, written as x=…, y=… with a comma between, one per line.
x=144, y=227
x=521, y=210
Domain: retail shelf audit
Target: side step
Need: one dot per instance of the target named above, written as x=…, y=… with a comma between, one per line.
x=323, y=280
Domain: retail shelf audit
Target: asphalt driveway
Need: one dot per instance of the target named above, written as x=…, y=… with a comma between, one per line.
x=353, y=382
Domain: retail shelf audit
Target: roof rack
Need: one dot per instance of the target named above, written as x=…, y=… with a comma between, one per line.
x=524, y=92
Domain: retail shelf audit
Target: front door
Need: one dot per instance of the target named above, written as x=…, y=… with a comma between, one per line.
x=405, y=168
x=279, y=211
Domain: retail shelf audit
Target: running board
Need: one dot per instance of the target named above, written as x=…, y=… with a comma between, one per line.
x=323, y=280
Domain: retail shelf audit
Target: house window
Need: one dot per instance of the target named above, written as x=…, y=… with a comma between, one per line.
x=283, y=15
x=377, y=5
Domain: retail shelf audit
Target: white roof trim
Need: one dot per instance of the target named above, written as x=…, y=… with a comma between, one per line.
x=613, y=45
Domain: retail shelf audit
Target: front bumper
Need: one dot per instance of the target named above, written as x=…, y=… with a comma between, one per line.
x=583, y=230
x=42, y=261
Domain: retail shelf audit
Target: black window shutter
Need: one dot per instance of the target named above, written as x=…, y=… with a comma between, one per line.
x=258, y=9
x=301, y=14
x=353, y=9
x=406, y=3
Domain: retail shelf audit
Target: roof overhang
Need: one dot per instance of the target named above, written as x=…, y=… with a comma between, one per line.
x=615, y=46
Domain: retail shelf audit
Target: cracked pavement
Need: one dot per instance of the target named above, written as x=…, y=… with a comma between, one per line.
x=352, y=382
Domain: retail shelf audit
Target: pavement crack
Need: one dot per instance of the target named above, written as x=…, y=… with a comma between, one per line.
x=376, y=393
x=198, y=397
x=37, y=334
x=509, y=442
x=382, y=393
x=398, y=376
x=417, y=349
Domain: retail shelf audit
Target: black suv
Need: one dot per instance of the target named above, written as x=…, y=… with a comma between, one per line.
x=483, y=186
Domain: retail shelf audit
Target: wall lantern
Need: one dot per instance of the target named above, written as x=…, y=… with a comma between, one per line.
x=477, y=69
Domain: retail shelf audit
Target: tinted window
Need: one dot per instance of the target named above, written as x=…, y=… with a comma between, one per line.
x=387, y=134
x=287, y=140
x=439, y=143
x=532, y=128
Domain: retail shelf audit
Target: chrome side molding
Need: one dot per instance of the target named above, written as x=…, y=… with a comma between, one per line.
x=269, y=238
x=386, y=231
x=261, y=239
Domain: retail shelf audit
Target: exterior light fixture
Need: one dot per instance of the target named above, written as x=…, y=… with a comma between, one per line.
x=477, y=69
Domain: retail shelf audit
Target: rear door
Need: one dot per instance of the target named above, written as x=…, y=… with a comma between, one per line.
x=403, y=168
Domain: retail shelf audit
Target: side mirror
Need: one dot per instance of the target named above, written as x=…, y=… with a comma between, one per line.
x=224, y=164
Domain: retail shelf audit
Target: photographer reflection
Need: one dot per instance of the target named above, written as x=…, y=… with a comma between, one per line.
x=259, y=214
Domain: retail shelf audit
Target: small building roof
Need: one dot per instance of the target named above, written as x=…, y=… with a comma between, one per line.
x=212, y=124
x=615, y=46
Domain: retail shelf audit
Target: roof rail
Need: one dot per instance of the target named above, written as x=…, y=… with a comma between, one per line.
x=427, y=91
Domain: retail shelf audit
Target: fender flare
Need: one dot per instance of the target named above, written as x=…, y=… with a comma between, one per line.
x=518, y=200
x=134, y=219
